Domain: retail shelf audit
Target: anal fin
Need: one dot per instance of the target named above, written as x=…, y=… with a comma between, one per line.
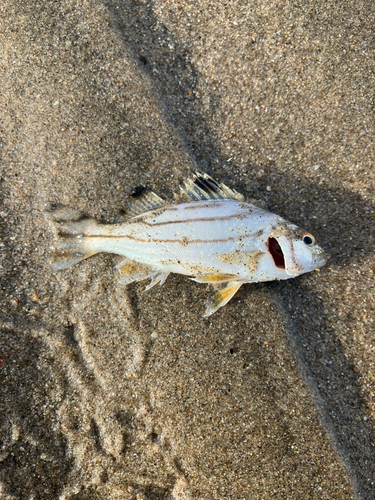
x=158, y=277
x=135, y=271
x=221, y=298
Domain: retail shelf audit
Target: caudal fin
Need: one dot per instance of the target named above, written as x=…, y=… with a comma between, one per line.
x=72, y=245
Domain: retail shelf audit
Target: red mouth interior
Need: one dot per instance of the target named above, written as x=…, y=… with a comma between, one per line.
x=276, y=252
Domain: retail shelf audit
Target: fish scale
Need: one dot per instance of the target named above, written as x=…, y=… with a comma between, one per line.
x=214, y=236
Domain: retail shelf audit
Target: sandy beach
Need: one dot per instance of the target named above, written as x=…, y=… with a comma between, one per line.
x=111, y=392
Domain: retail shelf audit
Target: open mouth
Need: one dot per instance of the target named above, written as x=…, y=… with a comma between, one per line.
x=276, y=252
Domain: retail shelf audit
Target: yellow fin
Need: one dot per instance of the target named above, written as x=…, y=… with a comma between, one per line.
x=221, y=298
x=133, y=271
x=136, y=271
x=215, y=278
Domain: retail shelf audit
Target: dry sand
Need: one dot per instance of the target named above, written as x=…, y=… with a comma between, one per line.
x=110, y=392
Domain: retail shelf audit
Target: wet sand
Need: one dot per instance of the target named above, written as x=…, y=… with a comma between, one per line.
x=110, y=392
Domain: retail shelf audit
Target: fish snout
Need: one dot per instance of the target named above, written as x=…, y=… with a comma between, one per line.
x=320, y=259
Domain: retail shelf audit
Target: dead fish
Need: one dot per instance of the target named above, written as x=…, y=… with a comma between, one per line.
x=213, y=236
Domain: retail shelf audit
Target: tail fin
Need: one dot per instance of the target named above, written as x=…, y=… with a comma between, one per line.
x=72, y=246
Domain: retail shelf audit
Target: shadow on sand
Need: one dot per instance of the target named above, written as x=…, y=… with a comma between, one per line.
x=329, y=373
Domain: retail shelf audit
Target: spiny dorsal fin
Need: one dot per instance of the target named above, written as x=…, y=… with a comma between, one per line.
x=144, y=203
x=204, y=187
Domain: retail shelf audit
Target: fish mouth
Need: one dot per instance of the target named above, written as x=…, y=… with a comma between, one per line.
x=276, y=253
x=320, y=259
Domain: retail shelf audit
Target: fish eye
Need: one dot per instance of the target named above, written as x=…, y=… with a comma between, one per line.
x=308, y=239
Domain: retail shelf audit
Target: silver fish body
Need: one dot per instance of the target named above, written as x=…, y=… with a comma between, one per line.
x=215, y=237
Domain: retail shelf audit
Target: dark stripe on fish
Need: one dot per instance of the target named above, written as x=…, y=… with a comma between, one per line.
x=229, y=217
x=181, y=241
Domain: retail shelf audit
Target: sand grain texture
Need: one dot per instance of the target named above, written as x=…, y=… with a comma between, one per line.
x=110, y=392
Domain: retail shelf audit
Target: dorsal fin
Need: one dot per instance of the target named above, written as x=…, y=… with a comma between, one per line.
x=204, y=187
x=144, y=203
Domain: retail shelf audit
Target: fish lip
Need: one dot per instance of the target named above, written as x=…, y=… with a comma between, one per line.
x=321, y=258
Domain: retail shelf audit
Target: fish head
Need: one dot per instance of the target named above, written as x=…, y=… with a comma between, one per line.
x=295, y=250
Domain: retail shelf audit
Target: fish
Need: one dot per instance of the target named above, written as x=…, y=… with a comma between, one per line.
x=210, y=235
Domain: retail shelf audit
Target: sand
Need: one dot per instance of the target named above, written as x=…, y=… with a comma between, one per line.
x=111, y=392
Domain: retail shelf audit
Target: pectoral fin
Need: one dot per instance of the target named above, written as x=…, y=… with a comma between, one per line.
x=221, y=298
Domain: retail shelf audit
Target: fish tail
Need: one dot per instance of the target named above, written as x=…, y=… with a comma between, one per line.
x=72, y=245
